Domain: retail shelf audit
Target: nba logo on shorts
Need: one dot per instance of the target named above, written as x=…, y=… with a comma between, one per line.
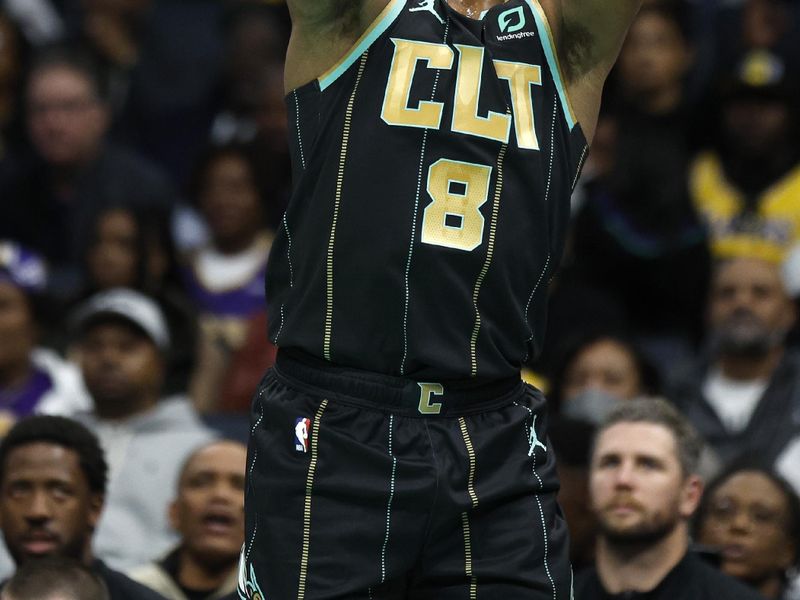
x=302, y=426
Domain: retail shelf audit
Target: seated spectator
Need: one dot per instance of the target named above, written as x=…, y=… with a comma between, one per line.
x=32, y=379
x=746, y=187
x=52, y=489
x=255, y=44
x=751, y=516
x=597, y=371
x=208, y=513
x=54, y=579
x=225, y=279
x=133, y=249
x=644, y=489
x=740, y=395
x=53, y=199
x=122, y=339
x=749, y=26
x=636, y=231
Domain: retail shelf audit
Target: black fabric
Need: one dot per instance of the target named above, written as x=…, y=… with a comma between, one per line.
x=171, y=565
x=352, y=278
x=379, y=505
x=691, y=579
x=775, y=421
x=120, y=587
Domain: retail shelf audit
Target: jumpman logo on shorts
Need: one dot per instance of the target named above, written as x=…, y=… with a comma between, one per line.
x=427, y=5
x=534, y=440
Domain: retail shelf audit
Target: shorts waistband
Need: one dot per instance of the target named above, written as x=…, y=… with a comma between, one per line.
x=398, y=395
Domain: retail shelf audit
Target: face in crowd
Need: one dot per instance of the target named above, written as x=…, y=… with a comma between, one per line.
x=17, y=327
x=112, y=259
x=230, y=201
x=749, y=311
x=208, y=512
x=748, y=516
x=122, y=367
x=639, y=491
x=605, y=365
x=66, y=119
x=46, y=504
x=655, y=56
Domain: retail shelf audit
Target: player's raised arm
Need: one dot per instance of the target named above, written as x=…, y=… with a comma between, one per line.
x=322, y=31
x=589, y=35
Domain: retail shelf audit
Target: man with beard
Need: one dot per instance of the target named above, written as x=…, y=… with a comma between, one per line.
x=745, y=398
x=53, y=482
x=644, y=488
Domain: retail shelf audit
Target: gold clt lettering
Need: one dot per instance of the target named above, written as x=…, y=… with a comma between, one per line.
x=466, y=119
x=466, y=102
x=395, y=103
x=520, y=78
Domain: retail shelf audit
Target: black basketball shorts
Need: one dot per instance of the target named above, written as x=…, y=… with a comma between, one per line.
x=370, y=487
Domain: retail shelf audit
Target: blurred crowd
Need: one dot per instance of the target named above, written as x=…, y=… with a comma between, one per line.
x=144, y=168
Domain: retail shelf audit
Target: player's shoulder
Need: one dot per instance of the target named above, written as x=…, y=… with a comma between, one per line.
x=323, y=31
x=342, y=16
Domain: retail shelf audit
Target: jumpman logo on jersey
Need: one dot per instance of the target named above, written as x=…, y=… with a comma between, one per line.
x=427, y=5
x=534, y=440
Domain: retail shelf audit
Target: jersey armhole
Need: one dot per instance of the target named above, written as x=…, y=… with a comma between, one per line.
x=388, y=16
x=549, y=46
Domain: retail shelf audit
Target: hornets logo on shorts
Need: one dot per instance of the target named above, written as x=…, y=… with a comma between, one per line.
x=248, y=587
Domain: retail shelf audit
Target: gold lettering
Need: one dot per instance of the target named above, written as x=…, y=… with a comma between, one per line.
x=520, y=77
x=495, y=126
x=426, y=407
x=407, y=54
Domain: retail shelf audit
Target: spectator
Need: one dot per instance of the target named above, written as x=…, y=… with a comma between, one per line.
x=54, y=579
x=746, y=187
x=174, y=95
x=52, y=201
x=32, y=379
x=133, y=249
x=122, y=341
x=52, y=489
x=225, y=279
x=637, y=230
x=596, y=371
x=740, y=396
x=747, y=26
x=644, y=489
x=208, y=513
x=255, y=45
x=752, y=517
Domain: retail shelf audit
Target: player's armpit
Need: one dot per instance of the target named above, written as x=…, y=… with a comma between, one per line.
x=589, y=36
x=590, y=33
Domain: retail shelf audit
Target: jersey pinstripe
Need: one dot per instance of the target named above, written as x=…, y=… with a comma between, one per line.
x=432, y=172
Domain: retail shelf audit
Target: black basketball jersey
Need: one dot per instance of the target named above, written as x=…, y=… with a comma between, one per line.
x=433, y=167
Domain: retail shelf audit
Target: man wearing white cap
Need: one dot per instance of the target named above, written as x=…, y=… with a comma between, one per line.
x=122, y=338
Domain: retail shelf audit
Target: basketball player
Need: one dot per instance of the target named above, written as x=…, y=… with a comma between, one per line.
x=395, y=452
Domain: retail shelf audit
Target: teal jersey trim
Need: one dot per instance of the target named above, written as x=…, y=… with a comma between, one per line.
x=545, y=35
x=378, y=27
